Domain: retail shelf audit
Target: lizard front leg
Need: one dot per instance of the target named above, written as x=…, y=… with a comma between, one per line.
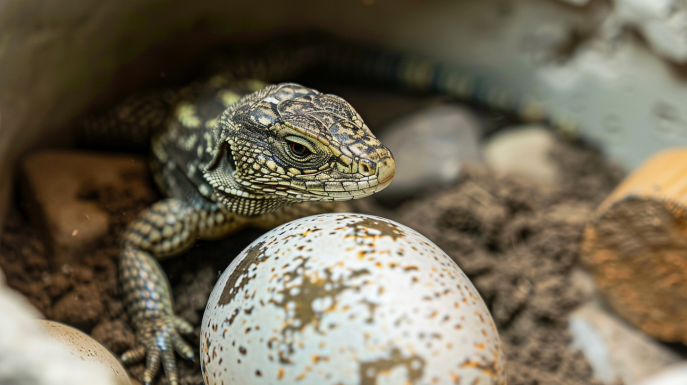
x=167, y=228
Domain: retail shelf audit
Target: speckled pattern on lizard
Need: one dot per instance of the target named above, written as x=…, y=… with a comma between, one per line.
x=232, y=153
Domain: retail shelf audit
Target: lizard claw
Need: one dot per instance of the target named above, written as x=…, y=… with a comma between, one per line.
x=159, y=338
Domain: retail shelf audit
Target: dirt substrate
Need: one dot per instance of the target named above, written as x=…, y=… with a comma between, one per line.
x=517, y=242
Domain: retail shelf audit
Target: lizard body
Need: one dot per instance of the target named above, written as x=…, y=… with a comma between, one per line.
x=232, y=158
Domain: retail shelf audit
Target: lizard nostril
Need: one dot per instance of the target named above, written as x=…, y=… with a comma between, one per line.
x=366, y=168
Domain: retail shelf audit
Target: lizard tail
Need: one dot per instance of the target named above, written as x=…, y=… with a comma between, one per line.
x=418, y=74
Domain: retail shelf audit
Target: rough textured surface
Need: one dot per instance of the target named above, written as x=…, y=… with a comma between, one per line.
x=347, y=299
x=57, y=291
x=59, y=186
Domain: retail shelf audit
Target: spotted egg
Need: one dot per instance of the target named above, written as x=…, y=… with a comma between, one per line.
x=95, y=361
x=347, y=299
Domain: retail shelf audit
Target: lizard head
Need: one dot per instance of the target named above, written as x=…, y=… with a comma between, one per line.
x=288, y=143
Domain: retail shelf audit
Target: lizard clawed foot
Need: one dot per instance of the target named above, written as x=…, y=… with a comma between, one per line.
x=158, y=339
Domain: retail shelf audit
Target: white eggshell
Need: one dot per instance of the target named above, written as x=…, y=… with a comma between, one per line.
x=86, y=348
x=347, y=299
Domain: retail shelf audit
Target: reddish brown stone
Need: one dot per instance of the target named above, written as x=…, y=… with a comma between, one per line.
x=59, y=186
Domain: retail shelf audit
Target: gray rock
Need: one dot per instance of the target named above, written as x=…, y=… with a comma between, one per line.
x=430, y=147
x=614, y=348
x=523, y=151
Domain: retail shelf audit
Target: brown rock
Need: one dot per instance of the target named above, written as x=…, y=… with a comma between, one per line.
x=636, y=248
x=58, y=185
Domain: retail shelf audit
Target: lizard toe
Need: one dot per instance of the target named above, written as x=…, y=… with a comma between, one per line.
x=182, y=347
x=152, y=366
x=170, y=366
x=134, y=355
x=182, y=326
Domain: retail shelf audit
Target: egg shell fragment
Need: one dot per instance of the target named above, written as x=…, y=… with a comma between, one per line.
x=347, y=299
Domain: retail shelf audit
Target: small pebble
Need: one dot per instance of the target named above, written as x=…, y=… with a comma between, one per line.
x=523, y=151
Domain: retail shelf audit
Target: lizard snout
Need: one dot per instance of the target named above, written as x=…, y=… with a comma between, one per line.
x=385, y=170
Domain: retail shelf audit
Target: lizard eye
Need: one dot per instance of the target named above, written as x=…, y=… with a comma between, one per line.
x=299, y=150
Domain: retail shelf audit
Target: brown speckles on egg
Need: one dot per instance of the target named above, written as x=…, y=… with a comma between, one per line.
x=253, y=256
x=349, y=299
x=377, y=227
x=372, y=371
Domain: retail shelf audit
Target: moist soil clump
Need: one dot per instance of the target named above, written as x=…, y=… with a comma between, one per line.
x=518, y=242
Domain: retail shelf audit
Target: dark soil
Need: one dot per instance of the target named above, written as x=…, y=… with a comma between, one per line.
x=517, y=242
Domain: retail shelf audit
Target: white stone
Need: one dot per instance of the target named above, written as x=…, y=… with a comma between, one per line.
x=672, y=375
x=662, y=22
x=28, y=357
x=616, y=349
x=430, y=147
x=523, y=151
